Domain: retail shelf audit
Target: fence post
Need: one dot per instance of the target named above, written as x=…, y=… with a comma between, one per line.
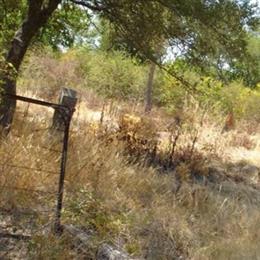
x=61, y=121
x=68, y=98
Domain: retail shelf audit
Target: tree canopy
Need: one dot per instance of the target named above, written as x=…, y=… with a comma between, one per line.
x=66, y=27
x=211, y=35
x=198, y=28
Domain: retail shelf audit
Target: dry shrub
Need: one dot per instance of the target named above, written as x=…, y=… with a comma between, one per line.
x=138, y=136
x=44, y=74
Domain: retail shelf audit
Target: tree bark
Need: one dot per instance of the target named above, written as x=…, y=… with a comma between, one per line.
x=36, y=18
x=149, y=88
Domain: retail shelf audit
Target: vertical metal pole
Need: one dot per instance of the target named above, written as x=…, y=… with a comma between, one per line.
x=61, y=122
x=57, y=223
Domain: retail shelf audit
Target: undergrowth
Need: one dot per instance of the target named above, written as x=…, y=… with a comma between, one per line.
x=162, y=186
x=149, y=213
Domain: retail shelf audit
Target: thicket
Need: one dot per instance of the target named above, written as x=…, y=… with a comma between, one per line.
x=115, y=75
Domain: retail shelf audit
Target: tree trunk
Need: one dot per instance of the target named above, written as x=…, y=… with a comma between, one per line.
x=36, y=18
x=149, y=88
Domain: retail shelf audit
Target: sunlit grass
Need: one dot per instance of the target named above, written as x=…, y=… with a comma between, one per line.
x=130, y=205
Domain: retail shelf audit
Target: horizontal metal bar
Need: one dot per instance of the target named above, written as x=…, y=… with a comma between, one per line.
x=35, y=101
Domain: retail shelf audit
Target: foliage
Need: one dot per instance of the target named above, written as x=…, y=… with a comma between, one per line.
x=197, y=28
x=6, y=70
x=235, y=97
x=169, y=93
x=43, y=72
x=11, y=14
x=112, y=75
x=117, y=76
x=68, y=26
x=243, y=101
x=248, y=69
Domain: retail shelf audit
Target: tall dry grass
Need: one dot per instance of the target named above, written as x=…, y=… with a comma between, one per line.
x=129, y=205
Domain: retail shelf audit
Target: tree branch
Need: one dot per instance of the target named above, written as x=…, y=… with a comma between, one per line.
x=96, y=7
x=34, y=6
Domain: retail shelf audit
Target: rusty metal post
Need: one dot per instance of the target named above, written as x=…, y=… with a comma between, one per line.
x=68, y=98
x=61, y=121
x=57, y=223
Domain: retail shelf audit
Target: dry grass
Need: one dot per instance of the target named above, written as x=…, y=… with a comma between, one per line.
x=203, y=207
x=129, y=205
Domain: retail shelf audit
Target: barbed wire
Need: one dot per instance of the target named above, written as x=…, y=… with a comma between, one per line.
x=29, y=168
x=23, y=211
x=62, y=118
x=40, y=129
x=26, y=189
x=50, y=149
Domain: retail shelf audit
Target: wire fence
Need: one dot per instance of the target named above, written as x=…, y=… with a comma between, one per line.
x=41, y=177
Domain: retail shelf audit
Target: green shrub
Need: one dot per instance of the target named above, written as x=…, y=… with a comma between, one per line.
x=116, y=76
x=168, y=92
x=113, y=75
x=244, y=102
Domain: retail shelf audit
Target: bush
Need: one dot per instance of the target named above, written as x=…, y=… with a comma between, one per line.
x=168, y=93
x=116, y=76
x=45, y=72
x=113, y=75
x=244, y=102
x=211, y=95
